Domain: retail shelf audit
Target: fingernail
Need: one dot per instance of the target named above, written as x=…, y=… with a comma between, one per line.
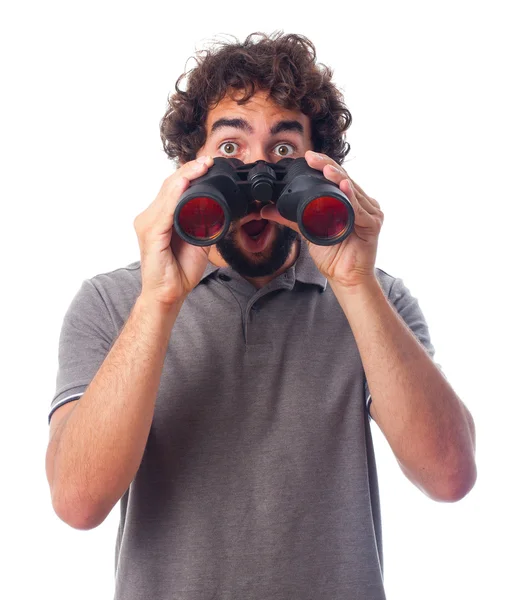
x=203, y=159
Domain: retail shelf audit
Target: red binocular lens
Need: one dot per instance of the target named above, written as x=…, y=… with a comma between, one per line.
x=325, y=217
x=202, y=218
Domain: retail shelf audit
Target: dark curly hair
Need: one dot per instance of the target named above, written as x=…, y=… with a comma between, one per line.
x=284, y=65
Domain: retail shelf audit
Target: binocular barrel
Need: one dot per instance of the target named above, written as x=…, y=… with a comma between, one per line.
x=303, y=195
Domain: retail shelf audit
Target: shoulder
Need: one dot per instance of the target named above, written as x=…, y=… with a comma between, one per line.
x=123, y=281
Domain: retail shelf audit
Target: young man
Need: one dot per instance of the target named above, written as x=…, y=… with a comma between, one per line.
x=223, y=393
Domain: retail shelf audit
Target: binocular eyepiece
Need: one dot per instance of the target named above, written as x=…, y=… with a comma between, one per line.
x=303, y=195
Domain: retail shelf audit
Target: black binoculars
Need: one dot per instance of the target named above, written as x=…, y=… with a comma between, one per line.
x=303, y=195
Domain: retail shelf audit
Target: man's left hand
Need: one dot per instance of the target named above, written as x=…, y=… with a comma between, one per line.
x=351, y=262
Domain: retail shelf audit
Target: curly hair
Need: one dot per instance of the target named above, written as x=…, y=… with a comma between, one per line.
x=283, y=65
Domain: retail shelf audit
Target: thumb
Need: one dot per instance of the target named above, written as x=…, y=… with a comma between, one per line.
x=270, y=213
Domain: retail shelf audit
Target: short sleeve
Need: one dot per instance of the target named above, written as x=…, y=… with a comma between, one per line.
x=87, y=335
x=408, y=308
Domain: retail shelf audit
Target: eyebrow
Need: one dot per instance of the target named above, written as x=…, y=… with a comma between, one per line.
x=245, y=126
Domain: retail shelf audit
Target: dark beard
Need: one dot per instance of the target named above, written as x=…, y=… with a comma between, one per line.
x=261, y=267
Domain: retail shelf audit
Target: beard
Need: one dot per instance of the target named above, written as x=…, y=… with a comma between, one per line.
x=260, y=264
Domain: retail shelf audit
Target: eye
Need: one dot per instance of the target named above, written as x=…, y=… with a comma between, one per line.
x=282, y=149
x=228, y=148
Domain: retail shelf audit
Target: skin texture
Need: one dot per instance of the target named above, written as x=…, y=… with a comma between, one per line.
x=261, y=114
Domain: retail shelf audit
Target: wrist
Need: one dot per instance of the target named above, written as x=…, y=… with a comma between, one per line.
x=364, y=287
x=161, y=311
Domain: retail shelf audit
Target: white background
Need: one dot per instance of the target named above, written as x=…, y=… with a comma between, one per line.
x=429, y=88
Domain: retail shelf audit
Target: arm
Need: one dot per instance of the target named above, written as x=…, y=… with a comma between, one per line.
x=98, y=447
x=429, y=429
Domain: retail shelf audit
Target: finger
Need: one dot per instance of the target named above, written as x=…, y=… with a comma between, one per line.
x=338, y=175
x=177, y=183
x=361, y=191
x=270, y=213
x=318, y=161
x=360, y=202
x=192, y=169
x=321, y=161
x=347, y=186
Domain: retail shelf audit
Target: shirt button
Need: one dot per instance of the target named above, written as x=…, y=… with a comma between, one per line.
x=224, y=277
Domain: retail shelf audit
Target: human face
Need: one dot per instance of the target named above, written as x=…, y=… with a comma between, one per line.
x=257, y=130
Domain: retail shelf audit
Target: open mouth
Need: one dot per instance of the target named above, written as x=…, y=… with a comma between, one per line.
x=256, y=234
x=255, y=228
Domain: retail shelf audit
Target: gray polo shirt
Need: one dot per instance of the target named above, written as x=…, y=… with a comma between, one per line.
x=258, y=481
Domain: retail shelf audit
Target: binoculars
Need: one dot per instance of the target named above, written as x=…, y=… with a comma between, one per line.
x=303, y=195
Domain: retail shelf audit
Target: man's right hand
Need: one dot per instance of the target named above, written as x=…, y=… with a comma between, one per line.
x=170, y=267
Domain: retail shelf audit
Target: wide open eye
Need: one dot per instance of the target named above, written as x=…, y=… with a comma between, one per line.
x=282, y=147
x=228, y=148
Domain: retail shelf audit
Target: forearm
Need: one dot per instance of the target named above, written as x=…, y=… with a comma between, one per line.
x=427, y=426
x=97, y=450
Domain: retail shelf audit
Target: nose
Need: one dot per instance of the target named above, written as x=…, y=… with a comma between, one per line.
x=257, y=154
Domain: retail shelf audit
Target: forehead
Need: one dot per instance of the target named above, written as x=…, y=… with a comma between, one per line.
x=259, y=111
